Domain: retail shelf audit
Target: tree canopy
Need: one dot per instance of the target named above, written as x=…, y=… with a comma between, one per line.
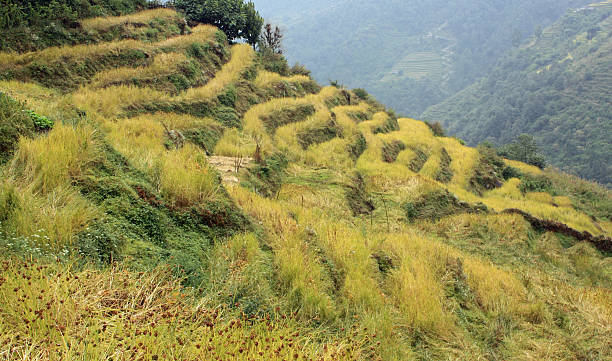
x=236, y=18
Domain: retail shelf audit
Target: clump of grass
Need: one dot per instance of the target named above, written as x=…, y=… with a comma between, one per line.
x=43, y=170
x=185, y=178
x=54, y=160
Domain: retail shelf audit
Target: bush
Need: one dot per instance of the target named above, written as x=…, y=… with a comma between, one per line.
x=40, y=122
x=436, y=129
x=299, y=69
x=267, y=177
x=361, y=93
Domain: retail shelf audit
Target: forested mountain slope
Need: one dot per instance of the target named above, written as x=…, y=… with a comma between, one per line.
x=410, y=54
x=169, y=197
x=557, y=87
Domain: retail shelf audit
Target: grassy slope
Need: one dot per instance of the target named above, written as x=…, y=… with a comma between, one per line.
x=305, y=259
x=556, y=88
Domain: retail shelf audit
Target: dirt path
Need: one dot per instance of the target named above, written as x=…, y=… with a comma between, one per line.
x=227, y=167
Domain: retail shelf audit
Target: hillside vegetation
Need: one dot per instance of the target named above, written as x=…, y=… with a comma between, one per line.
x=409, y=54
x=556, y=87
x=351, y=234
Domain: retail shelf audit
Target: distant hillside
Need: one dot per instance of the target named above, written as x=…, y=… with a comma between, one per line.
x=557, y=87
x=164, y=195
x=409, y=54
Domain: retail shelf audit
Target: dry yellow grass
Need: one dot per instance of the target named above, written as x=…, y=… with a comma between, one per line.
x=254, y=129
x=185, y=178
x=266, y=78
x=235, y=144
x=182, y=175
x=523, y=167
x=300, y=276
x=118, y=314
x=163, y=65
x=202, y=33
x=44, y=101
x=111, y=102
x=140, y=18
x=50, y=210
x=463, y=161
x=73, y=53
x=55, y=160
x=242, y=56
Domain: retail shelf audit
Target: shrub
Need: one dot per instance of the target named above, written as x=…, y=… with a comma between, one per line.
x=361, y=93
x=436, y=129
x=267, y=177
x=40, y=121
x=299, y=69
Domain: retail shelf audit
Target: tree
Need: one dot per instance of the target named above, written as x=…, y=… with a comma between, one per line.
x=270, y=39
x=253, y=24
x=237, y=19
x=524, y=149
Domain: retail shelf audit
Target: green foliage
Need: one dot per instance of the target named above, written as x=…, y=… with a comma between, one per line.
x=524, y=149
x=357, y=146
x=35, y=24
x=419, y=161
x=206, y=137
x=15, y=122
x=555, y=90
x=40, y=121
x=436, y=129
x=139, y=228
x=361, y=93
x=227, y=116
x=390, y=125
x=299, y=69
x=267, y=177
x=274, y=62
x=228, y=98
x=237, y=19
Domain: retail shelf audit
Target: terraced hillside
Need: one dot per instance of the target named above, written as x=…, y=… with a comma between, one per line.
x=351, y=234
x=556, y=87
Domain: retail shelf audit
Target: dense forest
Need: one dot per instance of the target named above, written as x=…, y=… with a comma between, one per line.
x=409, y=54
x=556, y=87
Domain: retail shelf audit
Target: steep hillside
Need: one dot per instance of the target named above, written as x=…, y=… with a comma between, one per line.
x=557, y=88
x=169, y=198
x=409, y=54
